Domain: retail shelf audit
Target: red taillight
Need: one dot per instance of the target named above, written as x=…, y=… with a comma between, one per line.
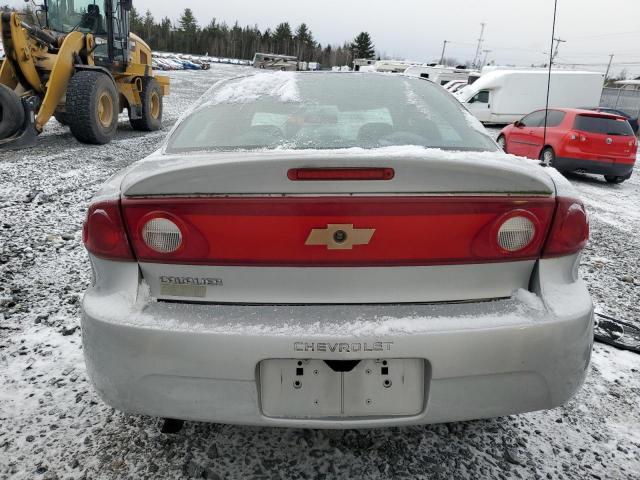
x=518, y=233
x=328, y=174
x=570, y=229
x=369, y=231
x=103, y=233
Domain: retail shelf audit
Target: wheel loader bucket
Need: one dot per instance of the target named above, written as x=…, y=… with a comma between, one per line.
x=25, y=139
x=17, y=120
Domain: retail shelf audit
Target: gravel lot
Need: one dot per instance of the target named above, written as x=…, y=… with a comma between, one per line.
x=53, y=426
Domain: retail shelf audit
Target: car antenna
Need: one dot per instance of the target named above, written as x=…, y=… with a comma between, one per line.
x=546, y=110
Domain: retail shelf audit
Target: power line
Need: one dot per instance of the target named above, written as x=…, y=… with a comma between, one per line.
x=602, y=35
x=566, y=62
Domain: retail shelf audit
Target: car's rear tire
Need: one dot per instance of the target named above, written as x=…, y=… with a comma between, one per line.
x=614, y=179
x=151, y=97
x=502, y=142
x=548, y=156
x=11, y=112
x=92, y=107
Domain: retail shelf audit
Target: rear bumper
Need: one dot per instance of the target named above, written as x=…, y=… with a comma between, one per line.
x=200, y=362
x=594, y=166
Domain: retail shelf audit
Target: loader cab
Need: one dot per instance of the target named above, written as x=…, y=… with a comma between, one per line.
x=107, y=20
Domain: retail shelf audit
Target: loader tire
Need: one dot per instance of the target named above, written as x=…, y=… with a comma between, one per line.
x=151, y=97
x=61, y=117
x=11, y=112
x=92, y=107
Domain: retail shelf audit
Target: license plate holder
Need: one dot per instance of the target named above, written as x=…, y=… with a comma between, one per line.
x=311, y=388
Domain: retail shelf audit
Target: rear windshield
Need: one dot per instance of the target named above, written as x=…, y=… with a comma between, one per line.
x=327, y=111
x=602, y=125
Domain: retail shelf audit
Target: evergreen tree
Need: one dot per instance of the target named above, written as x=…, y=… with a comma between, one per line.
x=189, y=28
x=148, y=26
x=362, y=46
x=165, y=33
x=267, y=41
x=282, y=39
x=188, y=21
x=136, y=23
x=304, y=42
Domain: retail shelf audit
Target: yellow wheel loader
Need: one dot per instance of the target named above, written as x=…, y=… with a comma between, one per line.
x=80, y=64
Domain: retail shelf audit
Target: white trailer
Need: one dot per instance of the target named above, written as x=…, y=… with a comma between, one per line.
x=392, y=66
x=504, y=96
x=454, y=85
x=358, y=63
x=272, y=61
x=438, y=73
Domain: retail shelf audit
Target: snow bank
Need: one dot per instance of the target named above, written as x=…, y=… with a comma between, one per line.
x=529, y=299
x=120, y=305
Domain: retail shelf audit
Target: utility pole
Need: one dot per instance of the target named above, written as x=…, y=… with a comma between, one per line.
x=444, y=46
x=476, y=59
x=555, y=52
x=606, y=75
x=486, y=54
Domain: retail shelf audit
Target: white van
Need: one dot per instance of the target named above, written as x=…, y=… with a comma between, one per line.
x=504, y=96
x=438, y=74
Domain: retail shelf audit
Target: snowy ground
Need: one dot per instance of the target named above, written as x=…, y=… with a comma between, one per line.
x=52, y=424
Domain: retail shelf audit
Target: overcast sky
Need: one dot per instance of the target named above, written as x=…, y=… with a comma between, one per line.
x=517, y=31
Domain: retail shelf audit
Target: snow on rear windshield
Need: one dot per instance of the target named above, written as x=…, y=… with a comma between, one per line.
x=328, y=111
x=279, y=85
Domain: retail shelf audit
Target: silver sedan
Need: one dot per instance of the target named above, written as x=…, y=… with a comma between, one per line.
x=335, y=250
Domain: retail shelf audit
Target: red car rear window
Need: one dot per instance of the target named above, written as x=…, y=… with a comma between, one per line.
x=603, y=125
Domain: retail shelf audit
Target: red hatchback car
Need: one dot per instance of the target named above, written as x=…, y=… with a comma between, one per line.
x=577, y=140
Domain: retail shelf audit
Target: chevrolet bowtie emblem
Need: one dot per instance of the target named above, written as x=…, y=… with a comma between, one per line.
x=340, y=237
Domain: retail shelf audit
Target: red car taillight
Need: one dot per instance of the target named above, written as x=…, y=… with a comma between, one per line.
x=570, y=229
x=103, y=232
x=338, y=231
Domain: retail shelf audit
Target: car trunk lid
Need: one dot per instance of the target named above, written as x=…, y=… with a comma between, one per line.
x=416, y=170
